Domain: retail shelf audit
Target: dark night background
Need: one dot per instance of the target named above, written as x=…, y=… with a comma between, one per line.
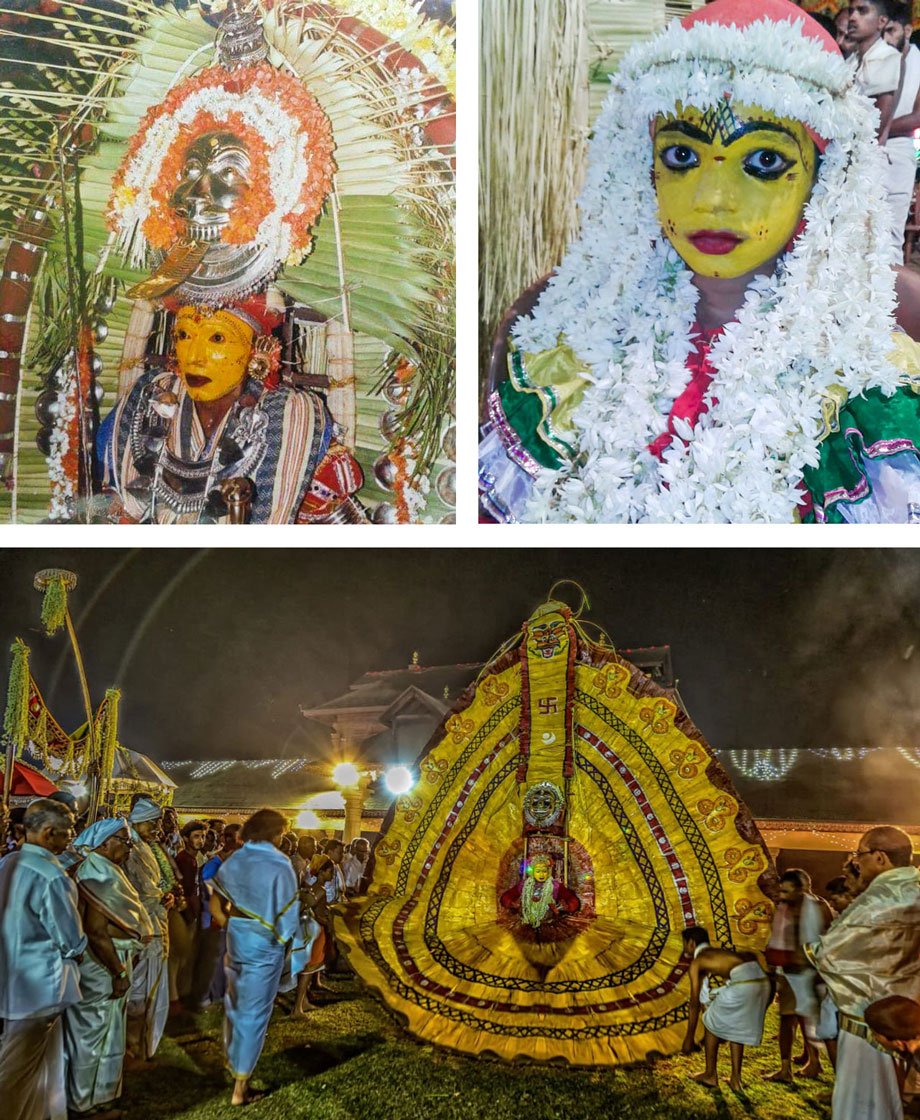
x=215, y=650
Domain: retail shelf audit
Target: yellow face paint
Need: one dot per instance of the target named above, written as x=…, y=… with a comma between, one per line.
x=212, y=350
x=731, y=185
x=541, y=871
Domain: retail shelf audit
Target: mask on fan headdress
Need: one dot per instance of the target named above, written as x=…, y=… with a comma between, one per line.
x=225, y=178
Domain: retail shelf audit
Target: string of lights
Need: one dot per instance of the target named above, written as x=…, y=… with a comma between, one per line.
x=758, y=764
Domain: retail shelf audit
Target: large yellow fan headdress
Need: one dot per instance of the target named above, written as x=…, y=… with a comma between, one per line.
x=569, y=822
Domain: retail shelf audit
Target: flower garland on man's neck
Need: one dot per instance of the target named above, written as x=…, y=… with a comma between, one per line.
x=625, y=302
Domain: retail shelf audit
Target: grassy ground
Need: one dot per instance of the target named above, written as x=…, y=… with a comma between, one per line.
x=347, y=1061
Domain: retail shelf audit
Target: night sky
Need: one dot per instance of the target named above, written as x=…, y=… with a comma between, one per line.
x=215, y=650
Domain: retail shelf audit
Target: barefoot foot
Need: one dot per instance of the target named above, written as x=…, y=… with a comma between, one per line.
x=782, y=1076
x=705, y=1079
x=251, y=1095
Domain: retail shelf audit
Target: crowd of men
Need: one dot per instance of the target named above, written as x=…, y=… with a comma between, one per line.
x=845, y=970
x=106, y=934
x=876, y=36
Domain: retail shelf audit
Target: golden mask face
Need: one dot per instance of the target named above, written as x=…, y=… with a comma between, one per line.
x=541, y=870
x=731, y=185
x=212, y=350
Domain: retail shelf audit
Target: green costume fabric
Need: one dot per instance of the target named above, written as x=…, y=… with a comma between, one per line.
x=543, y=390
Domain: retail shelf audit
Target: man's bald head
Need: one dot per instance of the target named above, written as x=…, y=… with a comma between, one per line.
x=895, y=1017
x=893, y=842
x=895, y=1022
x=881, y=849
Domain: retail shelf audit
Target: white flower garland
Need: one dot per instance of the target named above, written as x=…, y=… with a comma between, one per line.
x=62, y=489
x=534, y=910
x=625, y=302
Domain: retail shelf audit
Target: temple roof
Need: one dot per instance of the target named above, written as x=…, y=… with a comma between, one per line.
x=378, y=689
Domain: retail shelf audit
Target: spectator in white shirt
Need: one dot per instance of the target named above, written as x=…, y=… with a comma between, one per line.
x=878, y=70
x=899, y=147
x=354, y=864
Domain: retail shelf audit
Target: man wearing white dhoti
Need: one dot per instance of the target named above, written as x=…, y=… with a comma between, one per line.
x=872, y=950
x=800, y=918
x=735, y=1012
x=41, y=941
x=116, y=924
x=257, y=897
x=148, y=1000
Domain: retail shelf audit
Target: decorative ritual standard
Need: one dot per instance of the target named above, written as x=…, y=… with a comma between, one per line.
x=568, y=822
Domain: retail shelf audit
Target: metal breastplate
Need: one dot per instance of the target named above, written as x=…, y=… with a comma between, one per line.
x=184, y=485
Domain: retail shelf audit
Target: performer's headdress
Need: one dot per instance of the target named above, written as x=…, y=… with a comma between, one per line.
x=625, y=300
x=287, y=140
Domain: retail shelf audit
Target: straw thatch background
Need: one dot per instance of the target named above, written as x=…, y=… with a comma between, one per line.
x=545, y=70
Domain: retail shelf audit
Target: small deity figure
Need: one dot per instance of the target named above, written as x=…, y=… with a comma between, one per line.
x=538, y=897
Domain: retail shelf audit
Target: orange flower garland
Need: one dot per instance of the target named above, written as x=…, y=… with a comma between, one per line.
x=297, y=108
x=163, y=226
x=403, y=516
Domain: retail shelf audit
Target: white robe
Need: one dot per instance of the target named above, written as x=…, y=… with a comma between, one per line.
x=40, y=936
x=259, y=881
x=866, y=1086
x=736, y=1010
x=871, y=951
x=148, y=1000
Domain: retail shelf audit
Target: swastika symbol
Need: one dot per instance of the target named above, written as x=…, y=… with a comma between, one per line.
x=549, y=705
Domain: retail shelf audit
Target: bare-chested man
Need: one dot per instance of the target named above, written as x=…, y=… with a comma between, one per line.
x=735, y=1013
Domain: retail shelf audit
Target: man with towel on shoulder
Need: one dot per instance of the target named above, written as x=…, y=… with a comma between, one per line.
x=257, y=899
x=872, y=951
x=148, y=1000
x=116, y=925
x=41, y=941
x=735, y=1013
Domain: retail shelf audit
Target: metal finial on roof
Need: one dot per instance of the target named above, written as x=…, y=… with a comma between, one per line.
x=240, y=41
x=447, y=692
x=415, y=664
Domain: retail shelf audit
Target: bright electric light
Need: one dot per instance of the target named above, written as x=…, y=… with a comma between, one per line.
x=345, y=774
x=398, y=779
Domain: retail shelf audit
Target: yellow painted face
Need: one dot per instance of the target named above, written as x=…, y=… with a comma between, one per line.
x=541, y=870
x=731, y=185
x=212, y=351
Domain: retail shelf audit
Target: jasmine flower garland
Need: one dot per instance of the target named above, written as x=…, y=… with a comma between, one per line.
x=625, y=302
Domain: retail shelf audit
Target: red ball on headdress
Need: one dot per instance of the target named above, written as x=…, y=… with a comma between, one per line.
x=742, y=13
